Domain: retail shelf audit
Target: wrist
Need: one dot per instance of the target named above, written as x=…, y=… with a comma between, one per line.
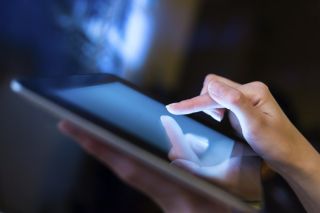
x=304, y=178
x=302, y=164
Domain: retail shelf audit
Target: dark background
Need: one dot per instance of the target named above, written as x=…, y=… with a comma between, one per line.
x=276, y=42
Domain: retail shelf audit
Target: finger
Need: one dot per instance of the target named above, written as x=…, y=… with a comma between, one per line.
x=193, y=105
x=213, y=77
x=256, y=90
x=176, y=137
x=89, y=143
x=172, y=154
x=69, y=129
x=198, y=144
x=131, y=171
x=161, y=189
x=216, y=114
x=75, y=133
x=121, y=164
x=234, y=100
x=202, y=102
x=114, y=159
x=261, y=97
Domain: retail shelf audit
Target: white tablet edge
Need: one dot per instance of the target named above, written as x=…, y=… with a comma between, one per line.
x=195, y=183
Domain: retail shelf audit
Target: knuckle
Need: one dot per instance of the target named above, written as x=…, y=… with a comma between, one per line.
x=235, y=97
x=210, y=77
x=261, y=87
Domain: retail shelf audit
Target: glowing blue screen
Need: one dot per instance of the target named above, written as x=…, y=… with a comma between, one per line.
x=140, y=115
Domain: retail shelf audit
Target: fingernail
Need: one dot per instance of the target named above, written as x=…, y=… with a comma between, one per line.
x=170, y=107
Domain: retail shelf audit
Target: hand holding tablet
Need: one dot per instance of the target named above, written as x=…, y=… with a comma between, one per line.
x=141, y=128
x=119, y=115
x=166, y=192
x=256, y=115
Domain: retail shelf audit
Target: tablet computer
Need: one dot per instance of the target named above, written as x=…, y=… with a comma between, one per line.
x=123, y=116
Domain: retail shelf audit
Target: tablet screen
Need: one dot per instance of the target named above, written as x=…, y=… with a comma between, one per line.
x=148, y=120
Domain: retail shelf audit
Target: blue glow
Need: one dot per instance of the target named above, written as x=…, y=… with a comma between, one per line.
x=134, y=42
x=15, y=86
x=118, y=34
x=137, y=37
x=94, y=28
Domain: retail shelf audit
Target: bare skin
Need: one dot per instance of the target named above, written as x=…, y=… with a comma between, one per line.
x=255, y=114
x=168, y=194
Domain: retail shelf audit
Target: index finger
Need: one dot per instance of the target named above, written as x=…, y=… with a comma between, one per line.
x=192, y=105
x=214, y=77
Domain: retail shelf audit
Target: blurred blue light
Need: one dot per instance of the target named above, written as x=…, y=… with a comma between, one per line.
x=117, y=34
x=137, y=38
x=15, y=86
x=134, y=41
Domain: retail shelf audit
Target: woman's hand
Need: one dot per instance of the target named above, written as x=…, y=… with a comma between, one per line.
x=167, y=193
x=255, y=114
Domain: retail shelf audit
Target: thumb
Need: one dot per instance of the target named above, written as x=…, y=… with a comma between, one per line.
x=234, y=100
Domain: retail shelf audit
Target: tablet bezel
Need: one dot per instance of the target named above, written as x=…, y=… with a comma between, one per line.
x=33, y=90
x=44, y=85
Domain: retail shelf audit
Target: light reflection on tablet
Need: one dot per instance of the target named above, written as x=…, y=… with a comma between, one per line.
x=188, y=143
x=238, y=173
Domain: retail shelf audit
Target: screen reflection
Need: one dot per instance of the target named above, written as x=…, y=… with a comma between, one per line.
x=187, y=143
